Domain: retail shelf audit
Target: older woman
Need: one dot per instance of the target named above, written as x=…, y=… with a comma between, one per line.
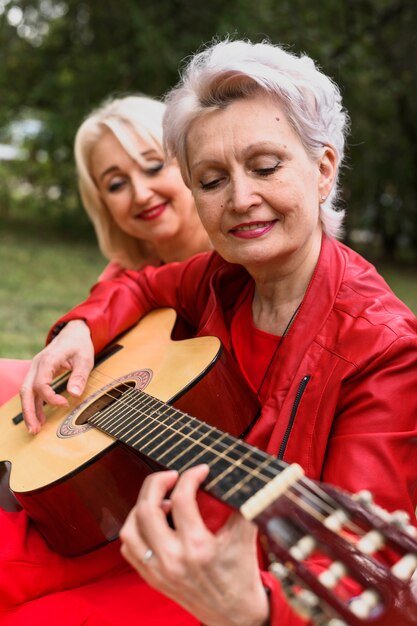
x=142, y=212
x=329, y=350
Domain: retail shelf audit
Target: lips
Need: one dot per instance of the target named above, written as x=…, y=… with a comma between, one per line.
x=252, y=230
x=153, y=213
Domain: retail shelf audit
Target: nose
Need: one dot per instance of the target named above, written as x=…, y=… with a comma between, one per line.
x=142, y=190
x=243, y=194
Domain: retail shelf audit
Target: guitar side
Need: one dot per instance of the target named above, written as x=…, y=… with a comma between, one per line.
x=79, y=488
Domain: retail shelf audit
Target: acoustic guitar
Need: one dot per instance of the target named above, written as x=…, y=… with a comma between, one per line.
x=79, y=477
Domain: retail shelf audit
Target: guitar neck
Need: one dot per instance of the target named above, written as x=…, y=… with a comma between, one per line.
x=178, y=441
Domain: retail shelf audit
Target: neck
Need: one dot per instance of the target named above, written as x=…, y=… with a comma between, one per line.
x=279, y=293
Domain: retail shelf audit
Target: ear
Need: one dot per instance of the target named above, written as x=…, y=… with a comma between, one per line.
x=327, y=170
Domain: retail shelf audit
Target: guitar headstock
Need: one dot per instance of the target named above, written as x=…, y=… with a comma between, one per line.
x=341, y=559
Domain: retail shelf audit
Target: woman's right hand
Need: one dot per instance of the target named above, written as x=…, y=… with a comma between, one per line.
x=72, y=349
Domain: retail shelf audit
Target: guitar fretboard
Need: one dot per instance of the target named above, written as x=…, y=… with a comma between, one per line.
x=175, y=440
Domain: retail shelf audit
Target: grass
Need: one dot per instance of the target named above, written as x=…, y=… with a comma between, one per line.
x=41, y=280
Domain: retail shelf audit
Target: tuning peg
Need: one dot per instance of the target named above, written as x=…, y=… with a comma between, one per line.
x=363, y=604
x=336, y=622
x=412, y=531
x=303, y=548
x=406, y=567
x=364, y=497
x=335, y=520
x=331, y=576
x=400, y=518
x=307, y=599
x=279, y=570
x=371, y=542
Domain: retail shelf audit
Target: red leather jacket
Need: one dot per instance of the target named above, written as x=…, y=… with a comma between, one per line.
x=340, y=398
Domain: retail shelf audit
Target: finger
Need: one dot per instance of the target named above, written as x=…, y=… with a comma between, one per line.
x=29, y=410
x=78, y=378
x=237, y=526
x=185, y=510
x=166, y=506
x=149, y=514
x=32, y=405
x=132, y=545
x=156, y=486
x=40, y=413
x=36, y=389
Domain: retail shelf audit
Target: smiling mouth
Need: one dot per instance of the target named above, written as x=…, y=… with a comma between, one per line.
x=152, y=213
x=253, y=229
x=255, y=226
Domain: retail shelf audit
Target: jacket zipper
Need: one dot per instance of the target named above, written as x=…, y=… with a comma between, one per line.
x=298, y=396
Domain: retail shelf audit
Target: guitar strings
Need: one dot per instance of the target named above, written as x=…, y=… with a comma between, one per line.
x=315, y=497
x=305, y=487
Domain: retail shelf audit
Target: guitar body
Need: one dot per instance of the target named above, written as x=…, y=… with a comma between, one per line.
x=77, y=483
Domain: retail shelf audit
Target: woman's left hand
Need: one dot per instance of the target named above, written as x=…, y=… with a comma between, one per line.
x=214, y=576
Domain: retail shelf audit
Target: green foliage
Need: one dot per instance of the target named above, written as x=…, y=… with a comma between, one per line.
x=62, y=58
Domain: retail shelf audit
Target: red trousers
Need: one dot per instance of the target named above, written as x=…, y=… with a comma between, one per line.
x=41, y=588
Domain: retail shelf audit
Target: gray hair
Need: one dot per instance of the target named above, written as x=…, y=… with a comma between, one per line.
x=126, y=118
x=230, y=70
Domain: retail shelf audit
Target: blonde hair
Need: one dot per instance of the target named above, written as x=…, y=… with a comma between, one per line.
x=230, y=70
x=125, y=118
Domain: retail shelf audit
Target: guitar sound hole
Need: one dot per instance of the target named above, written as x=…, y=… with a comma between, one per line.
x=104, y=401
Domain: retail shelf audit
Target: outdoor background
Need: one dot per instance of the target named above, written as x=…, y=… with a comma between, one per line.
x=59, y=59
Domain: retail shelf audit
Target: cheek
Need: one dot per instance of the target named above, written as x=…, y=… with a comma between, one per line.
x=118, y=207
x=204, y=210
x=172, y=186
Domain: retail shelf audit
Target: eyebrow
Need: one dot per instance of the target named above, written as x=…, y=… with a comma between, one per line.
x=114, y=168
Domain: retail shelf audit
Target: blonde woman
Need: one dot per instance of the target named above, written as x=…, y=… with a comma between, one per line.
x=142, y=212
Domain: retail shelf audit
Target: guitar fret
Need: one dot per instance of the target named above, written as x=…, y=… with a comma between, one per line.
x=188, y=443
x=140, y=406
x=199, y=443
x=199, y=457
x=177, y=435
x=178, y=441
x=248, y=480
x=228, y=467
x=151, y=423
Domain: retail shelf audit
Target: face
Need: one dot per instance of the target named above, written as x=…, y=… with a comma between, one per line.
x=256, y=189
x=148, y=201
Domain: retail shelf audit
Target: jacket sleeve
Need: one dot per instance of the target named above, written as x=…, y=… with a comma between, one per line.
x=373, y=442
x=115, y=305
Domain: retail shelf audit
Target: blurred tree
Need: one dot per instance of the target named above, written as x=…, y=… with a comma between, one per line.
x=62, y=57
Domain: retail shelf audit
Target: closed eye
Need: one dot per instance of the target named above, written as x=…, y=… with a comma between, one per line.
x=267, y=171
x=116, y=186
x=151, y=171
x=211, y=184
